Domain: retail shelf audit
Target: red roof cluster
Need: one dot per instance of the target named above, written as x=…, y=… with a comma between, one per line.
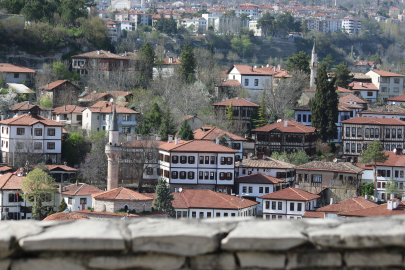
x=384, y=73
x=375, y=121
x=68, y=109
x=122, y=194
x=80, y=189
x=291, y=194
x=363, y=86
x=55, y=84
x=196, y=146
x=291, y=127
x=5, y=67
x=10, y=181
x=29, y=120
x=211, y=133
x=258, y=178
x=398, y=98
x=351, y=204
x=65, y=216
x=107, y=107
x=376, y=211
x=99, y=54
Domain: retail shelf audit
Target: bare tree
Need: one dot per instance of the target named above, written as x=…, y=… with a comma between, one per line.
x=233, y=57
x=26, y=151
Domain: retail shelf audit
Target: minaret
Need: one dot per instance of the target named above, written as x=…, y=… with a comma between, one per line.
x=313, y=66
x=113, y=151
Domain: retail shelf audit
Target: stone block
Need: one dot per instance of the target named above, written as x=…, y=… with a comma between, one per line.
x=47, y=264
x=223, y=261
x=373, y=258
x=148, y=261
x=5, y=264
x=314, y=259
x=360, y=234
x=264, y=235
x=261, y=260
x=185, y=238
x=81, y=235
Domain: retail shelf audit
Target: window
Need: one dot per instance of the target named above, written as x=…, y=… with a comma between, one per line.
x=304, y=118
x=396, y=173
x=206, y=175
x=191, y=175
x=175, y=175
x=246, y=82
x=228, y=176
x=299, y=117
x=126, y=117
x=309, y=118
x=354, y=132
x=383, y=89
x=347, y=132
x=183, y=159
x=396, y=80
x=377, y=133
x=347, y=147
x=260, y=189
x=207, y=160
x=244, y=189
x=70, y=200
x=267, y=190
x=316, y=178
x=396, y=89
x=358, y=147
x=367, y=133
x=267, y=205
x=6, y=130
x=50, y=145
x=201, y=214
x=191, y=160
x=250, y=189
x=193, y=214
x=387, y=133
x=208, y=214
x=201, y=175
x=369, y=94
x=353, y=147
x=51, y=132
x=299, y=207
x=212, y=160
x=83, y=200
x=20, y=131
x=256, y=82
x=175, y=159
x=399, y=133
x=358, y=132
x=201, y=160
x=218, y=215
x=280, y=205
x=230, y=161
x=383, y=79
x=221, y=176
x=126, y=130
x=225, y=214
x=79, y=117
x=38, y=131
x=183, y=175
x=20, y=145
x=104, y=117
x=37, y=145
x=291, y=206
x=149, y=171
x=222, y=160
x=273, y=205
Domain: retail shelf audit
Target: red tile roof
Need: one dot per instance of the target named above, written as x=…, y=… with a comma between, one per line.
x=175, y=61
x=26, y=106
x=351, y=204
x=5, y=168
x=364, y=63
x=330, y=166
x=5, y=67
x=339, y=90
x=94, y=96
x=106, y=107
x=313, y=214
x=365, y=86
x=205, y=198
x=60, y=167
x=291, y=194
x=258, y=178
x=398, y=98
x=65, y=216
x=264, y=71
x=385, y=73
x=80, y=190
x=377, y=211
x=55, y=84
x=122, y=194
x=265, y=162
x=196, y=146
x=292, y=127
x=29, y=120
x=229, y=83
x=99, y=54
x=211, y=133
x=238, y=102
x=374, y=121
x=350, y=97
x=393, y=160
x=68, y=109
x=10, y=181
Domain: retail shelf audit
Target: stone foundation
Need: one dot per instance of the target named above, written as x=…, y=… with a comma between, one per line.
x=174, y=186
x=203, y=244
x=115, y=206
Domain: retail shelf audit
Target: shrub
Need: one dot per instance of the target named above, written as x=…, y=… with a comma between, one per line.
x=332, y=147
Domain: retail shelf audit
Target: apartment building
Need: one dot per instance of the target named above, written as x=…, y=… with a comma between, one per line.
x=223, y=25
x=135, y=18
x=389, y=84
x=197, y=164
x=68, y=115
x=351, y=25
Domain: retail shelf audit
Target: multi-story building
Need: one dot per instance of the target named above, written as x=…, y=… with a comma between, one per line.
x=248, y=10
x=31, y=134
x=200, y=203
x=288, y=203
x=351, y=25
x=385, y=111
x=98, y=117
x=256, y=30
x=363, y=66
x=394, y=12
x=214, y=133
x=27, y=107
x=113, y=31
x=68, y=115
x=223, y=25
x=194, y=24
x=61, y=92
x=389, y=84
x=242, y=111
x=397, y=100
x=137, y=19
x=285, y=136
x=16, y=74
x=358, y=132
x=78, y=196
x=197, y=164
x=367, y=90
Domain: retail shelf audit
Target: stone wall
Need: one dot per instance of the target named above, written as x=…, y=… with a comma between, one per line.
x=115, y=206
x=203, y=244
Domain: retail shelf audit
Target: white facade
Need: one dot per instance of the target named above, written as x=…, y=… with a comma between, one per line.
x=285, y=174
x=257, y=31
x=223, y=25
x=68, y=118
x=389, y=86
x=76, y=203
x=215, y=213
x=250, y=11
x=351, y=25
x=101, y=121
x=286, y=209
x=253, y=83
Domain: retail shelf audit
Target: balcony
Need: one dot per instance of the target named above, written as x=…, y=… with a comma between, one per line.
x=66, y=122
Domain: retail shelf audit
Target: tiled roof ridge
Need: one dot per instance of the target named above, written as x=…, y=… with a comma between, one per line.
x=298, y=193
x=79, y=189
x=223, y=198
x=8, y=178
x=184, y=198
x=178, y=145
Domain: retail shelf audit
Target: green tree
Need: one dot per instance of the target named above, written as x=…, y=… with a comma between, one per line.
x=367, y=188
x=223, y=141
x=342, y=75
x=71, y=10
x=261, y=119
x=46, y=102
x=71, y=147
x=186, y=132
x=164, y=198
x=187, y=63
x=38, y=185
x=12, y=6
x=152, y=121
x=167, y=127
x=267, y=23
x=328, y=61
x=376, y=59
x=374, y=154
x=299, y=158
x=299, y=62
x=160, y=23
x=50, y=213
x=62, y=206
x=229, y=113
x=280, y=156
x=324, y=107
x=63, y=73
x=392, y=188
x=147, y=55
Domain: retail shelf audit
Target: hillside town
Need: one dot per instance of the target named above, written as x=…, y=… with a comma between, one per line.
x=143, y=109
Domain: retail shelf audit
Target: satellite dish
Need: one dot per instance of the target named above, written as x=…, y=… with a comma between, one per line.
x=111, y=99
x=395, y=150
x=180, y=189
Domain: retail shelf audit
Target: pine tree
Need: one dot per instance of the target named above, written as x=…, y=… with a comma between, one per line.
x=37, y=210
x=164, y=198
x=342, y=75
x=167, y=127
x=324, y=107
x=187, y=63
x=147, y=56
x=62, y=206
x=50, y=213
x=152, y=121
x=229, y=113
x=261, y=119
x=186, y=132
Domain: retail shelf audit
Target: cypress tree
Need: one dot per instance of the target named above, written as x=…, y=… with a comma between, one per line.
x=324, y=108
x=147, y=56
x=164, y=198
x=187, y=63
x=342, y=75
x=152, y=120
x=185, y=131
x=229, y=113
x=62, y=206
x=261, y=119
x=167, y=127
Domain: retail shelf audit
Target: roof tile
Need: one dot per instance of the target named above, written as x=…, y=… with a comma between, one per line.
x=121, y=193
x=292, y=127
x=258, y=178
x=291, y=194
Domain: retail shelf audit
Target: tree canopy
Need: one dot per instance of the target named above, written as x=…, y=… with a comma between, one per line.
x=187, y=63
x=152, y=121
x=164, y=198
x=342, y=75
x=147, y=55
x=167, y=127
x=299, y=62
x=186, y=132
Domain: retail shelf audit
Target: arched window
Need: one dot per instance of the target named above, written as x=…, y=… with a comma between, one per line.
x=104, y=208
x=144, y=207
x=126, y=208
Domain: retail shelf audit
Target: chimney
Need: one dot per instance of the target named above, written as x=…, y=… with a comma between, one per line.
x=60, y=188
x=65, y=163
x=98, y=52
x=217, y=140
x=2, y=116
x=331, y=201
x=139, y=137
x=170, y=60
x=351, y=102
x=274, y=68
x=126, y=54
x=158, y=137
x=176, y=140
x=252, y=68
x=366, y=197
x=77, y=183
x=279, y=67
x=129, y=137
x=285, y=123
x=361, y=84
x=297, y=186
x=65, y=108
x=170, y=139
